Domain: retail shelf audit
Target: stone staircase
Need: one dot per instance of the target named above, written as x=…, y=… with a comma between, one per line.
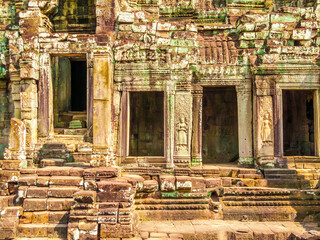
x=48, y=197
x=9, y=217
x=282, y=178
x=269, y=204
x=53, y=154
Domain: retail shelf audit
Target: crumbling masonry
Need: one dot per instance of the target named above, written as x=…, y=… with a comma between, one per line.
x=119, y=112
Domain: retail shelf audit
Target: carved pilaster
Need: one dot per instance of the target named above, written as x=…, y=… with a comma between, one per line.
x=245, y=124
x=264, y=121
x=196, y=153
x=170, y=124
x=183, y=123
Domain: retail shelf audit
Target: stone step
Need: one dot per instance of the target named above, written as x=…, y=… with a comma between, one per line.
x=54, y=145
x=187, y=214
x=283, y=183
x=63, y=139
x=83, y=157
x=47, y=204
x=52, y=192
x=78, y=164
x=43, y=230
x=76, y=131
x=279, y=171
x=41, y=238
x=282, y=176
x=45, y=217
x=56, y=162
x=256, y=191
x=258, y=213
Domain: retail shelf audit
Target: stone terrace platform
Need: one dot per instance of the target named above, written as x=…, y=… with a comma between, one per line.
x=218, y=230
x=73, y=202
x=221, y=230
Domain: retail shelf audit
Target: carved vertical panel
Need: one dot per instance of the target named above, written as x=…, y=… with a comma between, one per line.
x=265, y=130
x=183, y=127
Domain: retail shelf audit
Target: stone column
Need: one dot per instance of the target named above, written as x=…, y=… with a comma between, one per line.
x=244, y=100
x=317, y=122
x=169, y=125
x=29, y=27
x=102, y=110
x=264, y=122
x=90, y=91
x=183, y=127
x=45, y=96
x=105, y=16
x=196, y=152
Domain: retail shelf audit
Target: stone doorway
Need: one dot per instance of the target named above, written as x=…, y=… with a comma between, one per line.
x=220, y=125
x=146, y=134
x=70, y=94
x=298, y=122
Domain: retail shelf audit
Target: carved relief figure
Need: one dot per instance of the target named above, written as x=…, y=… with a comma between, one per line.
x=266, y=128
x=182, y=135
x=17, y=136
x=17, y=141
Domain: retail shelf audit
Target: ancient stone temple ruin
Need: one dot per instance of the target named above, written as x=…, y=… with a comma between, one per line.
x=159, y=119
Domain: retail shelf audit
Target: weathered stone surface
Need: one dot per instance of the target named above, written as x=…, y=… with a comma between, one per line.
x=150, y=186
x=35, y=204
x=167, y=183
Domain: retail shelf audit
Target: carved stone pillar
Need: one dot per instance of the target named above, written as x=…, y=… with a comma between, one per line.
x=102, y=94
x=45, y=96
x=29, y=26
x=196, y=152
x=105, y=16
x=183, y=126
x=264, y=122
x=244, y=100
x=170, y=124
x=90, y=91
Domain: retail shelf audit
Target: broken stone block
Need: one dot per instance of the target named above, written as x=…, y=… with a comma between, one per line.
x=183, y=183
x=136, y=181
x=198, y=184
x=110, y=186
x=40, y=217
x=167, y=183
x=63, y=192
x=28, y=181
x=108, y=172
x=66, y=181
x=150, y=186
x=213, y=182
x=303, y=34
x=114, y=197
x=59, y=217
x=35, y=205
x=36, y=192
x=85, y=197
x=43, y=181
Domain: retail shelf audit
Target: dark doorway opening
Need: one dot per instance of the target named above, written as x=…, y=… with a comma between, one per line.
x=146, y=124
x=69, y=77
x=298, y=123
x=78, y=86
x=220, y=125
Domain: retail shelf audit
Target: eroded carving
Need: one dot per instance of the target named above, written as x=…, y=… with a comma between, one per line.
x=266, y=128
x=182, y=135
x=17, y=141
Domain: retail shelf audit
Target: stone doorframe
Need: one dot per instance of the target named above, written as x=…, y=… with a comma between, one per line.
x=124, y=127
x=269, y=86
x=245, y=130
x=45, y=92
x=279, y=104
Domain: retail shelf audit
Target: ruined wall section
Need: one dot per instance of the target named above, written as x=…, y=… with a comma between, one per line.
x=180, y=46
x=10, y=46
